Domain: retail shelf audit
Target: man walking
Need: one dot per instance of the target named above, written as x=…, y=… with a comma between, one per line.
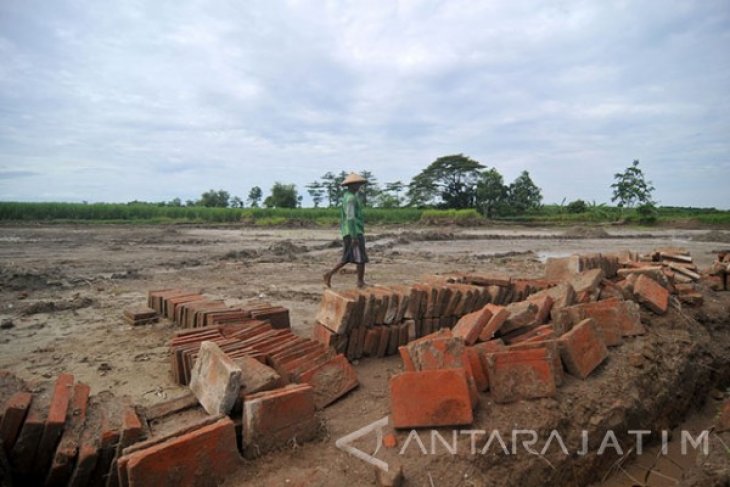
x=352, y=229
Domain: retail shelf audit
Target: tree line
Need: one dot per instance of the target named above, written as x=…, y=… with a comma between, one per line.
x=450, y=182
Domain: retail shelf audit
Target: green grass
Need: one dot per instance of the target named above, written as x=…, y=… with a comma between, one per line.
x=153, y=214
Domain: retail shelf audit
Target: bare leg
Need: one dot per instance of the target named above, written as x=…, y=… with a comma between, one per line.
x=361, y=275
x=328, y=275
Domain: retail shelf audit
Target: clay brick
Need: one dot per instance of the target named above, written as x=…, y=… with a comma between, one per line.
x=471, y=325
x=14, y=412
x=562, y=295
x=394, y=340
x=372, y=339
x=62, y=392
x=204, y=456
x=609, y=316
x=215, y=379
x=553, y=349
x=587, y=282
x=273, y=418
x=544, y=305
x=330, y=380
x=255, y=376
x=477, y=369
x=491, y=346
x=328, y=338
x=89, y=447
x=651, y=294
x=499, y=316
x=336, y=312
x=521, y=314
x=430, y=398
x=562, y=268
x=439, y=350
x=278, y=316
x=520, y=374
x=408, y=364
x=582, y=349
x=68, y=448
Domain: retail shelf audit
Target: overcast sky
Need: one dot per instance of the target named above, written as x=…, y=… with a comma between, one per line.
x=151, y=100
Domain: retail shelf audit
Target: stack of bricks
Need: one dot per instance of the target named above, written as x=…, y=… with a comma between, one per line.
x=565, y=325
x=260, y=332
x=140, y=315
x=190, y=309
x=57, y=434
x=375, y=321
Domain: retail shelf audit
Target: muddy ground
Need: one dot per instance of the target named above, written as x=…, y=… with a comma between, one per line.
x=63, y=289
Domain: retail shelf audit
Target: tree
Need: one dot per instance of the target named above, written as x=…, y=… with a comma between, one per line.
x=523, y=194
x=491, y=193
x=175, y=202
x=236, y=202
x=371, y=190
x=282, y=196
x=215, y=199
x=254, y=196
x=631, y=187
x=332, y=189
x=390, y=195
x=317, y=191
x=449, y=181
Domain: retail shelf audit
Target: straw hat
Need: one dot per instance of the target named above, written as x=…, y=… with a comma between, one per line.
x=354, y=178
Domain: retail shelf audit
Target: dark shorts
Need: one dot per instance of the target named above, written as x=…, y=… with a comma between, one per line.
x=354, y=251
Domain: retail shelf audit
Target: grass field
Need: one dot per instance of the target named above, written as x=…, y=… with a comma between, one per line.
x=153, y=214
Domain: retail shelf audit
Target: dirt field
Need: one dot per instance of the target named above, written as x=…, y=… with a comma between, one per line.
x=63, y=289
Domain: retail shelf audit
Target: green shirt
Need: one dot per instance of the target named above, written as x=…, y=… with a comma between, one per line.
x=351, y=220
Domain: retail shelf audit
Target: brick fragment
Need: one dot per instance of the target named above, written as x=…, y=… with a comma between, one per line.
x=215, y=380
x=499, y=315
x=68, y=448
x=521, y=314
x=582, y=349
x=430, y=398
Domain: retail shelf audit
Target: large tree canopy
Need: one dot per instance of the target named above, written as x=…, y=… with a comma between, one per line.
x=449, y=182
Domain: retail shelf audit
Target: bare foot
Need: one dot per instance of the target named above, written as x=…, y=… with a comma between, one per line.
x=328, y=279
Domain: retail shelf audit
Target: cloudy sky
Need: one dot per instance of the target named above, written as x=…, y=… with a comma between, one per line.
x=151, y=100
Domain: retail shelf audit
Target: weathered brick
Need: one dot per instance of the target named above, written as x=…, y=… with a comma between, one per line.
x=215, y=379
x=14, y=412
x=499, y=315
x=204, y=456
x=89, y=447
x=62, y=392
x=330, y=380
x=439, y=350
x=68, y=448
x=430, y=398
x=255, y=376
x=477, y=369
x=273, y=418
x=336, y=312
x=651, y=294
x=582, y=349
x=553, y=349
x=562, y=268
x=521, y=374
x=521, y=314
x=471, y=325
x=587, y=283
x=544, y=305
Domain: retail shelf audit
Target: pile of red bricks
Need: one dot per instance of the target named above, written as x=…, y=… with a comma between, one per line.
x=190, y=309
x=375, y=321
x=57, y=434
x=523, y=350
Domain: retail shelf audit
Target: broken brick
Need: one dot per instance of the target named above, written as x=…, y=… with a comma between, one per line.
x=651, y=294
x=62, y=391
x=470, y=326
x=499, y=315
